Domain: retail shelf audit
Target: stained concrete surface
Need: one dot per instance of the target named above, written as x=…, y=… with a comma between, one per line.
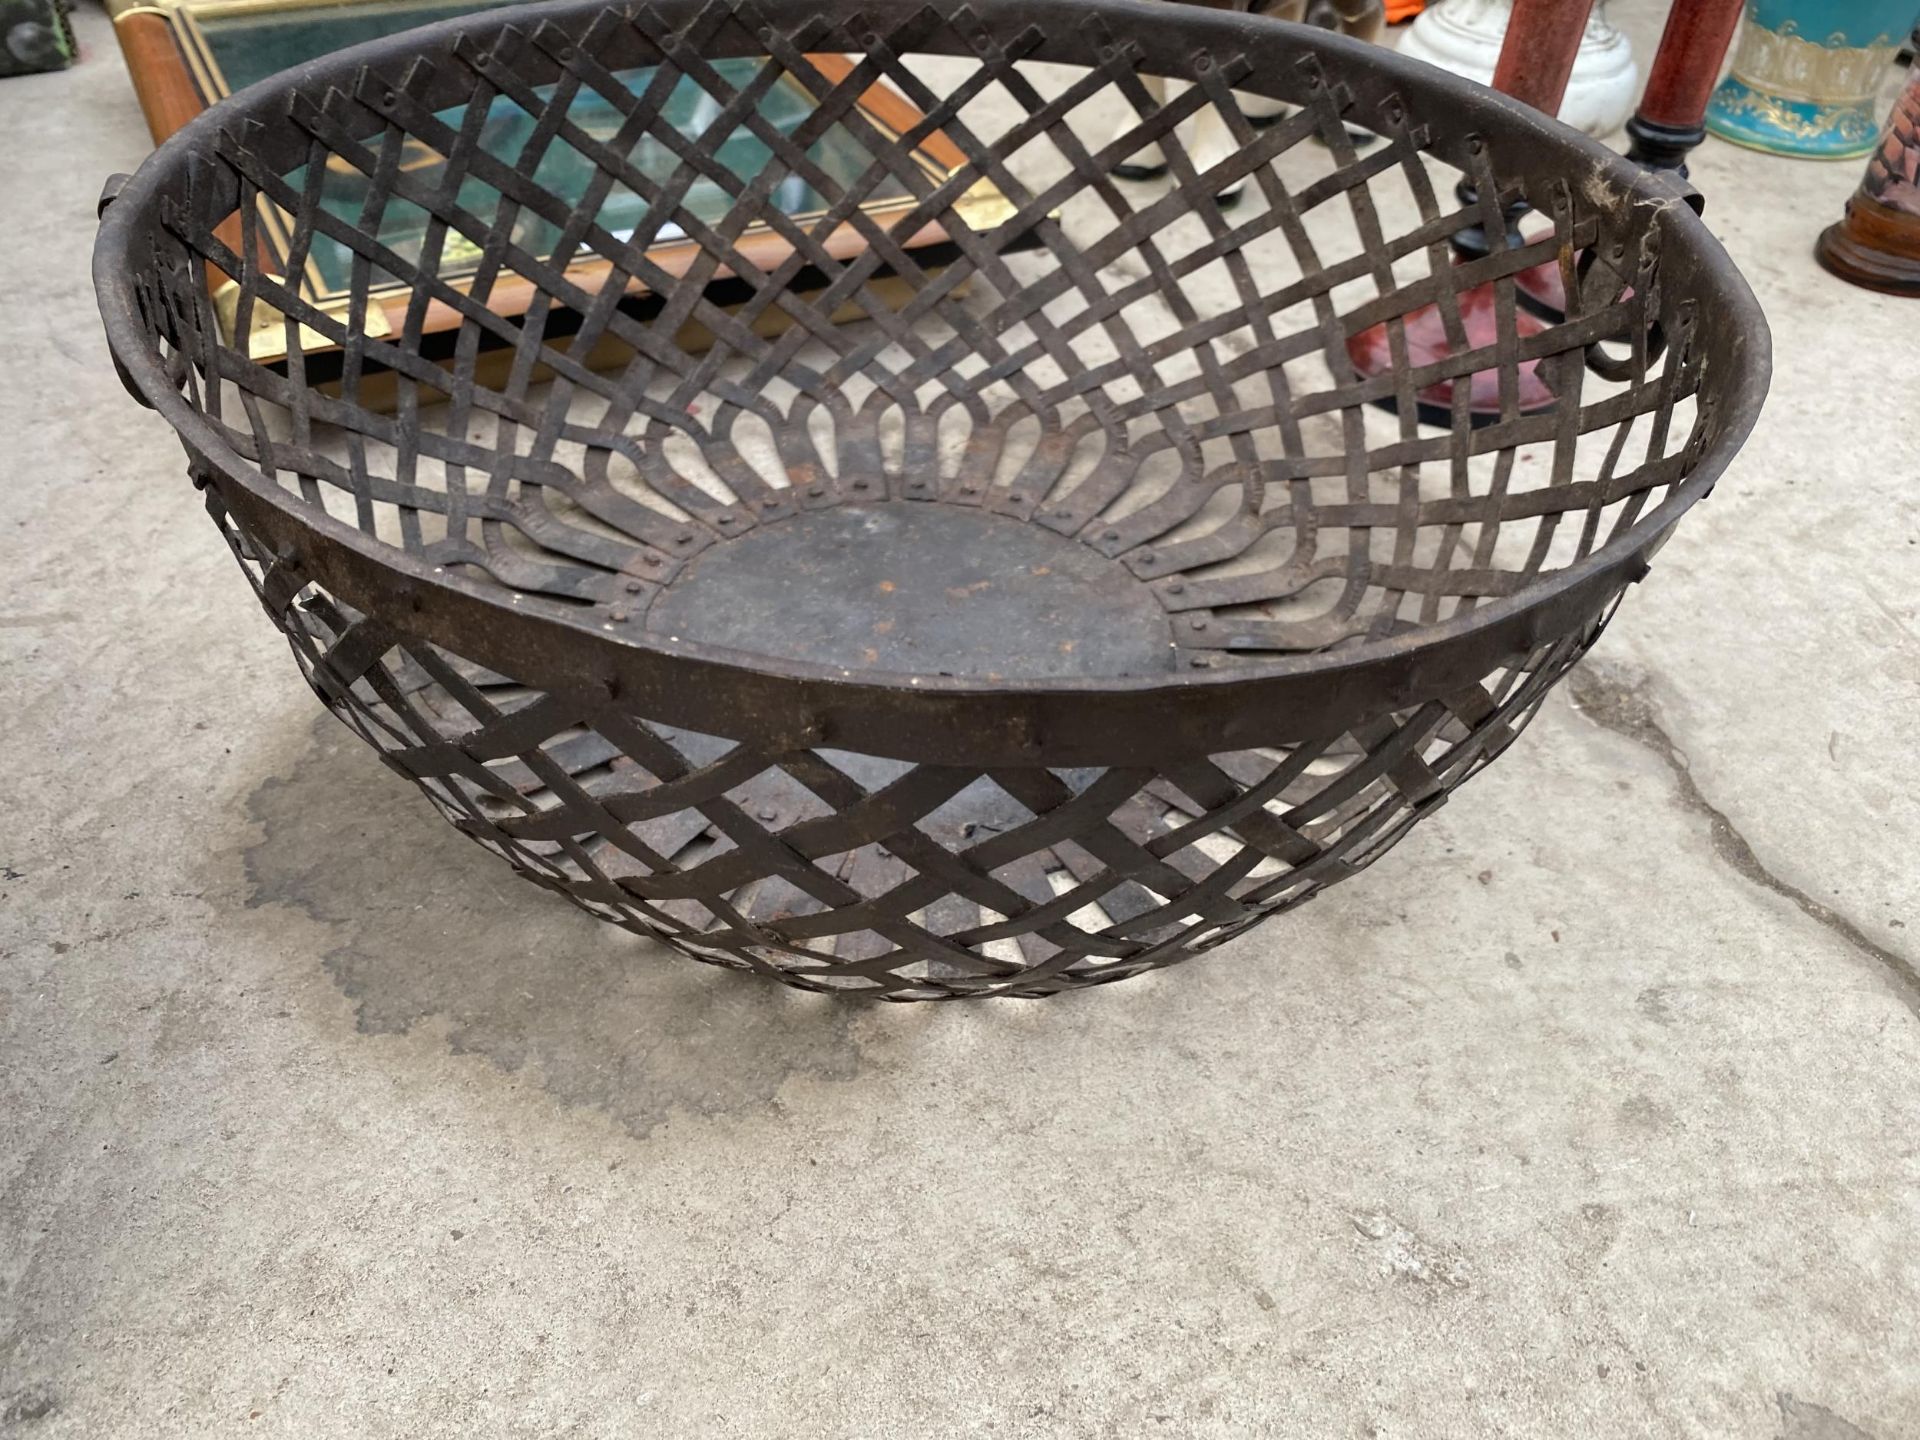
x=1591, y=1110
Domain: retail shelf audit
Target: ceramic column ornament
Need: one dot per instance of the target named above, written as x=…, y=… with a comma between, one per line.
x=1878, y=244
x=1805, y=74
x=1464, y=36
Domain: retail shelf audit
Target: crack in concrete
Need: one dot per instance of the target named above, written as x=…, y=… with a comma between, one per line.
x=1610, y=699
x=1803, y=1420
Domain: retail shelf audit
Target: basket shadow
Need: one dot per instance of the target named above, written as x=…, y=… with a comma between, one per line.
x=432, y=931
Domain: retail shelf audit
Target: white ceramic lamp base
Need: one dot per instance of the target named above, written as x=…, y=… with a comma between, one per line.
x=1464, y=37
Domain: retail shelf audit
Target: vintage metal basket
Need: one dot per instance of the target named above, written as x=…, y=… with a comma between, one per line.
x=1008, y=587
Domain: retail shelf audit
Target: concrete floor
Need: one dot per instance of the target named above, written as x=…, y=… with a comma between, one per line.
x=1593, y=1109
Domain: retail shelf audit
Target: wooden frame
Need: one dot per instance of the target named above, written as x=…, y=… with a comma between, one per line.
x=176, y=74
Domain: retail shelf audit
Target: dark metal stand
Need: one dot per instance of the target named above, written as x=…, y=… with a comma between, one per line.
x=1662, y=147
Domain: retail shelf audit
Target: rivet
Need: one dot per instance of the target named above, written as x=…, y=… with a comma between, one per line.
x=1199, y=622
x=685, y=537
x=619, y=612
x=1177, y=587
x=1146, y=557
x=1199, y=662
x=652, y=560
x=816, y=490
x=1111, y=535
x=634, y=587
x=767, y=813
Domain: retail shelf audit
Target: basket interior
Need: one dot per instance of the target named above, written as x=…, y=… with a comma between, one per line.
x=664, y=345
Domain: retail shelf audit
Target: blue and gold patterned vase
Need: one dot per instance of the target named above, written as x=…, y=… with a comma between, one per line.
x=1805, y=74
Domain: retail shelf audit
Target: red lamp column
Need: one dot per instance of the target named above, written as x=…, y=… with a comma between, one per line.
x=1670, y=120
x=1536, y=58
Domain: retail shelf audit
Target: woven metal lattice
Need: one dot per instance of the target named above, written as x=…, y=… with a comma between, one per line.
x=988, y=577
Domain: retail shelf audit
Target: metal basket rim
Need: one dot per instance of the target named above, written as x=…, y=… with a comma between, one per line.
x=1018, y=720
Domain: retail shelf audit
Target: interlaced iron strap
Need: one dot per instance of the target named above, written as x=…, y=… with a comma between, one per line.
x=580, y=343
x=833, y=870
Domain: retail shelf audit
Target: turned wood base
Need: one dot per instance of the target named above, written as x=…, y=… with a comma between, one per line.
x=1874, y=246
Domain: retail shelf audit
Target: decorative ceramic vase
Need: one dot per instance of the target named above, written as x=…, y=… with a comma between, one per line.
x=1805, y=73
x=1878, y=244
x=1464, y=36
